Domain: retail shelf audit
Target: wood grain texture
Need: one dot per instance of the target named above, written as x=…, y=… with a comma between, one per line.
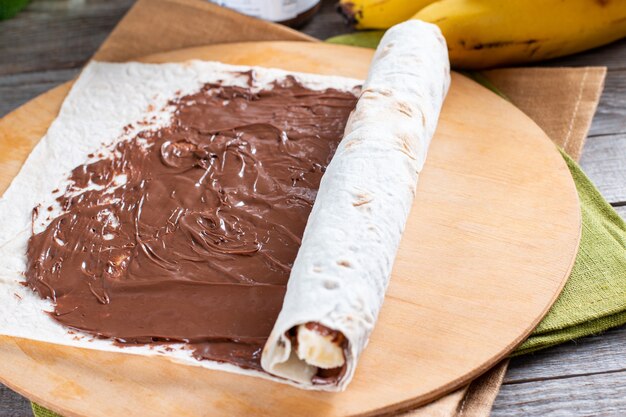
x=590, y=355
x=13, y=405
x=48, y=43
x=604, y=161
x=17, y=89
x=327, y=23
x=611, y=114
x=607, y=55
x=28, y=32
x=56, y=34
x=483, y=143
x=589, y=395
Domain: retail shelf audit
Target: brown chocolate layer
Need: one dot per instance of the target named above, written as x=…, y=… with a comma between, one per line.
x=196, y=245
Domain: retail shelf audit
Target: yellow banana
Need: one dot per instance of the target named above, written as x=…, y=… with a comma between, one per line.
x=487, y=33
x=379, y=14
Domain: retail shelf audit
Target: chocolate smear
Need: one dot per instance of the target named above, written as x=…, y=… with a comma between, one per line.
x=188, y=233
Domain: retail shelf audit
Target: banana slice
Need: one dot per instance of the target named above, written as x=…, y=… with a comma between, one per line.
x=319, y=346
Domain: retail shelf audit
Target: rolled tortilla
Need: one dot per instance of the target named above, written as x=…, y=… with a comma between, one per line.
x=338, y=281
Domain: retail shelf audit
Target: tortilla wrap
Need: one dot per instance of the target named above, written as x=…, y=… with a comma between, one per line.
x=350, y=242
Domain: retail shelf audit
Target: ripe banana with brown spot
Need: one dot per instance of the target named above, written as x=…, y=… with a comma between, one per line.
x=379, y=14
x=488, y=33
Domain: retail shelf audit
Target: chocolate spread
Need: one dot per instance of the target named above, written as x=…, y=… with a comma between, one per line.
x=188, y=233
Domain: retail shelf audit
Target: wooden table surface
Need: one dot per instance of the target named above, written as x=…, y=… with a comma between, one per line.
x=47, y=44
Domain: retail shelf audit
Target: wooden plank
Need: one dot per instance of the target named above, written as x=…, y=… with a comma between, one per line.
x=610, y=117
x=328, y=22
x=595, y=354
x=588, y=395
x=30, y=70
x=17, y=89
x=604, y=161
x=13, y=404
x=611, y=56
x=51, y=34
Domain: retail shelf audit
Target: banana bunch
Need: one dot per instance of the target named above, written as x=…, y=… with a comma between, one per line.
x=379, y=14
x=488, y=33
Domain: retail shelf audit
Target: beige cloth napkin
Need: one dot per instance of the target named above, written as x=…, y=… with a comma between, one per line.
x=560, y=100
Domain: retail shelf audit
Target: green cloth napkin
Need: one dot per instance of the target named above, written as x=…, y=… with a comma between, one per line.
x=39, y=411
x=9, y=8
x=594, y=297
x=364, y=39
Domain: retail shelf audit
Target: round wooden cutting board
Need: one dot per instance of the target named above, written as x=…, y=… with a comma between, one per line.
x=490, y=241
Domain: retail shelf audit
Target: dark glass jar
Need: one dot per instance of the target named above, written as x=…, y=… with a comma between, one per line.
x=303, y=17
x=294, y=13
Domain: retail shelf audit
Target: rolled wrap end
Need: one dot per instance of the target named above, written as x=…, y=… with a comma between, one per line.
x=319, y=346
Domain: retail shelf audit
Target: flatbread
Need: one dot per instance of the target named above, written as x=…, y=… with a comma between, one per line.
x=350, y=242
